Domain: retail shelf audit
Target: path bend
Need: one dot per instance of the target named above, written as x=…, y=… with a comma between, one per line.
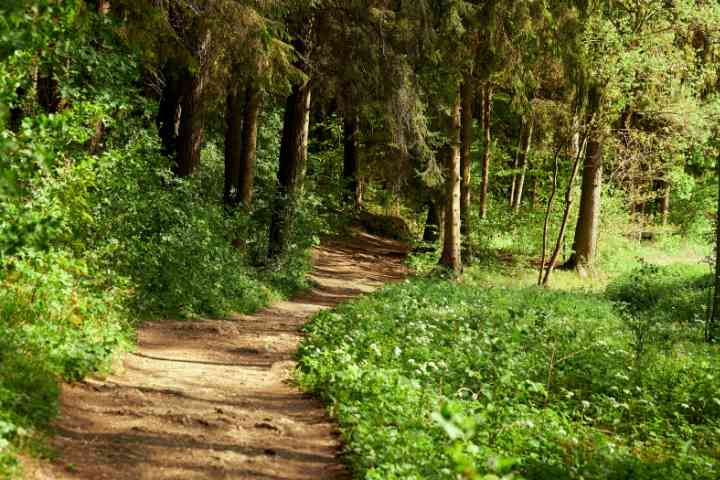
x=211, y=399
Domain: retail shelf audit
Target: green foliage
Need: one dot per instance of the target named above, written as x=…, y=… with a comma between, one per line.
x=432, y=379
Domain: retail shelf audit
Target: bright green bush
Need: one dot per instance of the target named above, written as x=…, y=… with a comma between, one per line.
x=431, y=379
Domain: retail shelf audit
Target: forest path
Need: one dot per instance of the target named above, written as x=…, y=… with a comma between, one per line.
x=213, y=399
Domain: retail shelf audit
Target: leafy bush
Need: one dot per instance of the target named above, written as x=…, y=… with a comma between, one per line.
x=431, y=379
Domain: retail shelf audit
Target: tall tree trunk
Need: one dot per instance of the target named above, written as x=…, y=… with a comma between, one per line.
x=233, y=146
x=712, y=330
x=168, y=117
x=665, y=202
x=566, y=214
x=466, y=137
x=293, y=159
x=351, y=178
x=191, y=126
x=487, y=112
x=451, y=256
x=431, y=233
x=586, y=230
x=48, y=90
x=514, y=165
x=524, y=156
x=253, y=100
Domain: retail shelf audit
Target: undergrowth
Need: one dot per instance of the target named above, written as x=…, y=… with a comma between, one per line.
x=435, y=379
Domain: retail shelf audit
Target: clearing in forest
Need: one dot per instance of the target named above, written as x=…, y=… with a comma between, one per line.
x=213, y=399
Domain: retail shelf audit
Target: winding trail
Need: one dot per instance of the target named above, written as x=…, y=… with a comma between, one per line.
x=212, y=399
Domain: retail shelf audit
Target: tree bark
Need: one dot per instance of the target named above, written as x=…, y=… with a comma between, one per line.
x=586, y=230
x=487, y=112
x=233, y=147
x=466, y=137
x=431, y=233
x=523, y=163
x=253, y=101
x=293, y=159
x=712, y=330
x=351, y=178
x=168, y=118
x=665, y=202
x=191, y=126
x=451, y=254
x=48, y=91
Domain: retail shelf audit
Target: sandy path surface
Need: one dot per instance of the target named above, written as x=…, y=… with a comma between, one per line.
x=212, y=399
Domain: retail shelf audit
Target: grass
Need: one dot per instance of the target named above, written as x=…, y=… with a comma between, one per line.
x=494, y=376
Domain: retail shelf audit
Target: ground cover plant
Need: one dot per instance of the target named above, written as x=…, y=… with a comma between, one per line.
x=434, y=379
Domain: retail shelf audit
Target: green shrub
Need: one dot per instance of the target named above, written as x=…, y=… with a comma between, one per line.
x=431, y=379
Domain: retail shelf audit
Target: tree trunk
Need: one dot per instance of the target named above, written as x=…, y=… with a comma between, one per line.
x=351, y=179
x=293, y=158
x=487, y=111
x=586, y=230
x=253, y=100
x=665, y=202
x=514, y=165
x=566, y=215
x=451, y=256
x=168, y=117
x=233, y=147
x=431, y=233
x=190, y=129
x=48, y=91
x=523, y=163
x=712, y=330
x=466, y=136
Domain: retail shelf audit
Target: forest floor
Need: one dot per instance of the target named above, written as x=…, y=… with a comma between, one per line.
x=214, y=399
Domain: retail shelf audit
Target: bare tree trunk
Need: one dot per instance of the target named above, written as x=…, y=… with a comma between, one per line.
x=168, y=117
x=566, y=214
x=233, y=146
x=191, y=126
x=466, y=137
x=48, y=90
x=546, y=223
x=451, y=255
x=291, y=173
x=487, y=112
x=712, y=330
x=586, y=230
x=524, y=158
x=514, y=165
x=665, y=202
x=351, y=177
x=253, y=99
x=431, y=233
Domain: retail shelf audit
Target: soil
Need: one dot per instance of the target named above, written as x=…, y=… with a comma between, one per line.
x=214, y=399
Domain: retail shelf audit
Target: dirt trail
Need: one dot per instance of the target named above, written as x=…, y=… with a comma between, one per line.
x=211, y=399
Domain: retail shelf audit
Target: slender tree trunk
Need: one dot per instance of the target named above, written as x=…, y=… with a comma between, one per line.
x=291, y=173
x=487, y=112
x=48, y=91
x=233, y=147
x=712, y=332
x=351, y=177
x=665, y=202
x=548, y=209
x=514, y=165
x=586, y=230
x=253, y=100
x=168, y=117
x=566, y=215
x=467, y=93
x=524, y=157
x=191, y=126
x=431, y=233
x=451, y=255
